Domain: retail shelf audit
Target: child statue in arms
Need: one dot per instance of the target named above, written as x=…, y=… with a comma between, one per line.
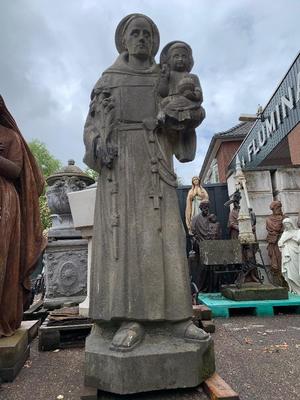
x=181, y=92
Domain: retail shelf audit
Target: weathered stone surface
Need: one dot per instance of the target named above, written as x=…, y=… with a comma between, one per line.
x=290, y=201
x=253, y=291
x=216, y=252
x=258, y=181
x=155, y=364
x=32, y=328
x=65, y=272
x=14, y=351
x=286, y=179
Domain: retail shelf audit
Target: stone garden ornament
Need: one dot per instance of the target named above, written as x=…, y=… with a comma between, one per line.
x=139, y=277
x=289, y=245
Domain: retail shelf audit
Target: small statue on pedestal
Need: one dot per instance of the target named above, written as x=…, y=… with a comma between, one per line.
x=289, y=246
x=274, y=228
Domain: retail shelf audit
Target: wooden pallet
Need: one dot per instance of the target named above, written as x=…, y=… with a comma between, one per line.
x=223, y=307
x=73, y=334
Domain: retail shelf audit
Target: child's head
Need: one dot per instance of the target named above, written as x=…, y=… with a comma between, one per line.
x=178, y=55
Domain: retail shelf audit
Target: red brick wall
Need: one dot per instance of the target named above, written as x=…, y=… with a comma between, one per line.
x=294, y=145
x=224, y=156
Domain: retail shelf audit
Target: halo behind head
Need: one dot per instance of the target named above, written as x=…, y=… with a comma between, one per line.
x=123, y=25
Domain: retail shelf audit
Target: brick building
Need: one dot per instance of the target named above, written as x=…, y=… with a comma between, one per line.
x=221, y=149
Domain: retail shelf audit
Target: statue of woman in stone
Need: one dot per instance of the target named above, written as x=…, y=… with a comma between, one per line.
x=196, y=195
x=289, y=245
x=21, y=239
x=139, y=269
x=181, y=91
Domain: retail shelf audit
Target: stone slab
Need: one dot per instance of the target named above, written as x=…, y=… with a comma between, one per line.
x=9, y=374
x=255, y=292
x=12, y=347
x=258, y=182
x=155, y=364
x=219, y=252
x=290, y=202
x=286, y=179
x=221, y=306
x=32, y=328
x=14, y=351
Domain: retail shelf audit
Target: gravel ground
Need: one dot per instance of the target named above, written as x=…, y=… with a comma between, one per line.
x=257, y=357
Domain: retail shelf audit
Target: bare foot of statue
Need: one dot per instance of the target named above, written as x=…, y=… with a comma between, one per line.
x=129, y=335
x=190, y=332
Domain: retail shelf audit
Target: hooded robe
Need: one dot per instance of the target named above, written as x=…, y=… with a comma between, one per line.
x=139, y=267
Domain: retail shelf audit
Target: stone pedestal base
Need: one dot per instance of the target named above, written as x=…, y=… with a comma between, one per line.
x=160, y=362
x=14, y=351
x=255, y=291
x=65, y=272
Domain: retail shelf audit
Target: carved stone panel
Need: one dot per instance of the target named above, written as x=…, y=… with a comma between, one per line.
x=65, y=272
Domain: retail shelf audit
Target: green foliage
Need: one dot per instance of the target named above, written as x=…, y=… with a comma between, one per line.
x=91, y=173
x=46, y=161
x=49, y=165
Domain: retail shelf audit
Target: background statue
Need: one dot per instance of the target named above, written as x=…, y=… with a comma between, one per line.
x=289, y=245
x=274, y=228
x=200, y=225
x=139, y=269
x=196, y=195
x=21, y=239
x=233, y=224
x=215, y=231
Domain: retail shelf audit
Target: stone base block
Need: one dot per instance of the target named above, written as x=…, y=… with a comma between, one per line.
x=253, y=291
x=14, y=351
x=65, y=272
x=160, y=362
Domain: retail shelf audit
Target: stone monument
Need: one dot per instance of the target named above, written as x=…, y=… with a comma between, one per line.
x=21, y=240
x=289, y=246
x=66, y=254
x=140, y=296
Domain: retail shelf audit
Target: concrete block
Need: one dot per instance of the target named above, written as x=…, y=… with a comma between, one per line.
x=290, y=201
x=14, y=351
x=286, y=179
x=259, y=181
x=32, y=328
x=155, y=364
x=260, y=202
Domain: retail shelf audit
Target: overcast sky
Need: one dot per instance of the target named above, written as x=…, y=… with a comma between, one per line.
x=53, y=52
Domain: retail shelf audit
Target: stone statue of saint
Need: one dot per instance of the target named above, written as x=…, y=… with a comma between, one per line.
x=21, y=239
x=289, y=244
x=139, y=269
x=233, y=223
x=200, y=225
x=196, y=195
x=274, y=228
